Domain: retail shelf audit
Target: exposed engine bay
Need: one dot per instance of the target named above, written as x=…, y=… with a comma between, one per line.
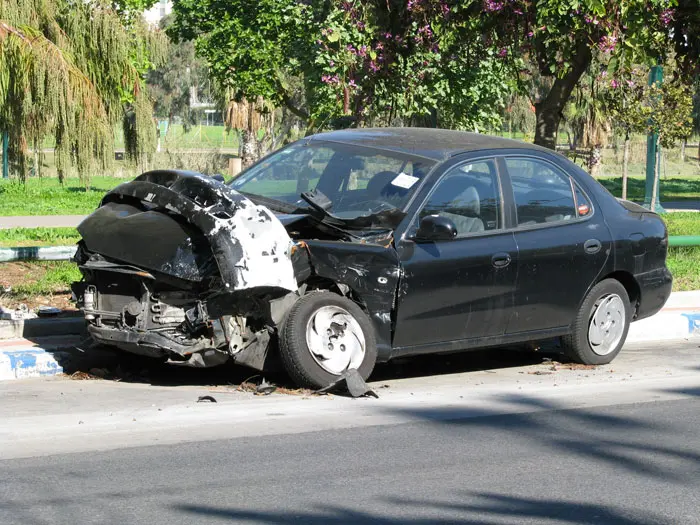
x=177, y=265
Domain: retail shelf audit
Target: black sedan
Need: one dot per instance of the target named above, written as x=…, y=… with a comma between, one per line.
x=352, y=247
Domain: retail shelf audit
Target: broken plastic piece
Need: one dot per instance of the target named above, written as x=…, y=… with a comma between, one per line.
x=350, y=381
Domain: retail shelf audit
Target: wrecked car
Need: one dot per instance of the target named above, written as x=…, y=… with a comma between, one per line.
x=354, y=247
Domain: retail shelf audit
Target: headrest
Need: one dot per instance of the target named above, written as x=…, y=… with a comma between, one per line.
x=468, y=200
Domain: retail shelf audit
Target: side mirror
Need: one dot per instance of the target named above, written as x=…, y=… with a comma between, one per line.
x=436, y=228
x=219, y=177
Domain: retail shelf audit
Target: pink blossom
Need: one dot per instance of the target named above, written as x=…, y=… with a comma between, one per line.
x=614, y=83
x=502, y=52
x=667, y=16
x=493, y=5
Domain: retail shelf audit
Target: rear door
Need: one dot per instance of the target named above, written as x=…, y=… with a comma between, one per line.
x=563, y=244
x=460, y=288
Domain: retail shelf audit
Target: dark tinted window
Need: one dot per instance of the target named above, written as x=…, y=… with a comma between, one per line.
x=542, y=193
x=468, y=195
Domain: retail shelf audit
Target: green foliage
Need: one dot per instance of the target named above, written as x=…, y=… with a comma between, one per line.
x=353, y=62
x=170, y=83
x=67, y=69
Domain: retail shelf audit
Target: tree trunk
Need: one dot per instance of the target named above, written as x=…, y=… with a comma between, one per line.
x=249, y=148
x=548, y=112
x=595, y=163
x=683, y=144
x=625, y=165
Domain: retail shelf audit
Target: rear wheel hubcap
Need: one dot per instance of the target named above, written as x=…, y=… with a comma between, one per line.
x=607, y=324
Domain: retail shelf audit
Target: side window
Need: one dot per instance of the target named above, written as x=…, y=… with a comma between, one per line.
x=469, y=196
x=542, y=193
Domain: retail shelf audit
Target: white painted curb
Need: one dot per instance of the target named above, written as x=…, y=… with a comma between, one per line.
x=21, y=363
x=679, y=319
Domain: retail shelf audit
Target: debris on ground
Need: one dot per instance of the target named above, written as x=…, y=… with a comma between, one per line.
x=82, y=376
x=351, y=382
x=16, y=314
x=209, y=399
x=265, y=388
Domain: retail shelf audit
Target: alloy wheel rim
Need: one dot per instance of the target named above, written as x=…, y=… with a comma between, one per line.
x=607, y=325
x=335, y=339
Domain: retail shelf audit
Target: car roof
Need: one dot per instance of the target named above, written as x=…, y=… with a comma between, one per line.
x=436, y=144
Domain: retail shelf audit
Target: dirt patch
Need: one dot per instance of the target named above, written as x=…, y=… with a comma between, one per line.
x=17, y=277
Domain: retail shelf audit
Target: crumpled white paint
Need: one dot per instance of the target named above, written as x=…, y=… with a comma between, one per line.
x=266, y=247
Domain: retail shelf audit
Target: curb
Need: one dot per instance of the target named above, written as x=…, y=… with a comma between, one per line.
x=21, y=358
x=44, y=347
x=11, y=329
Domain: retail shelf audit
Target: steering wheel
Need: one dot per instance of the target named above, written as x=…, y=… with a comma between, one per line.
x=372, y=206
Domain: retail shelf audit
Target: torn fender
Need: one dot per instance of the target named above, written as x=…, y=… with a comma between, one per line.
x=249, y=244
x=371, y=271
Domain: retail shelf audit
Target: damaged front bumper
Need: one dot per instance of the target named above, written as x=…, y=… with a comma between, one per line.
x=179, y=266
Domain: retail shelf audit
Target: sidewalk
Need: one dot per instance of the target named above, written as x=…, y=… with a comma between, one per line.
x=41, y=221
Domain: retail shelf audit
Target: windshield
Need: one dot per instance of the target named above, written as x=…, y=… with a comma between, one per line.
x=357, y=180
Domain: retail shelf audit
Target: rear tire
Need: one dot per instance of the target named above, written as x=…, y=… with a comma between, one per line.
x=323, y=335
x=601, y=325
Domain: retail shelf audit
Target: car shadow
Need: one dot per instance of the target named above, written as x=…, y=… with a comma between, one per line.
x=85, y=362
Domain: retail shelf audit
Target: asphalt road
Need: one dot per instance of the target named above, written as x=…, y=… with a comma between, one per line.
x=450, y=440
x=628, y=464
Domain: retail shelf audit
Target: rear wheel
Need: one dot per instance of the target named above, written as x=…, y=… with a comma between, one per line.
x=324, y=335
x=601, y=326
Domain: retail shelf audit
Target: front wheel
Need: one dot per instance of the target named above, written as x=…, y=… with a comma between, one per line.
x=601, y=325
x=324, y=335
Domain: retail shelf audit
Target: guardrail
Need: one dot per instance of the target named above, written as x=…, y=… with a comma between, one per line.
x=65, y=253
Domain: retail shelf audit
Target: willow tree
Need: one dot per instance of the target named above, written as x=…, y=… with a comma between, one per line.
x=73, y=70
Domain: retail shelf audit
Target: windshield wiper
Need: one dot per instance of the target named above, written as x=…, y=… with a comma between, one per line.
x=320, y=206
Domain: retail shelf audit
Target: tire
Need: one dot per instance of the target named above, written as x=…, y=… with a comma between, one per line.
x=310, y=320
x=591, y=341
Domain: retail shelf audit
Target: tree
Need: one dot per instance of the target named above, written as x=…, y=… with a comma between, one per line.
x=339, y=63
x=624, y=100
x=170, y=84
x=72, y=70
x=562, y=39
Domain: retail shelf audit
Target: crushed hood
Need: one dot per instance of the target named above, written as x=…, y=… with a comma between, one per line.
x=163, y=221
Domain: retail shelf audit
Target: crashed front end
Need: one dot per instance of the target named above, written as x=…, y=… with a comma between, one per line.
x=177, y=265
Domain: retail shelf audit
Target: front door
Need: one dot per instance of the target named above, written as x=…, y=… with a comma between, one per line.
x=460, y=288
x=563, y=245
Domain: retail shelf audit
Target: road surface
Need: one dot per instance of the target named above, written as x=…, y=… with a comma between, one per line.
x=450, y=440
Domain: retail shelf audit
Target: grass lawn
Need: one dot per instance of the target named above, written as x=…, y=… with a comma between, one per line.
x=676, y=189
x=16, y=237
x=45, y=196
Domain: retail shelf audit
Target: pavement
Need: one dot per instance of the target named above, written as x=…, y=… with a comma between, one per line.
x=41, y=221
x=47, y=221
x=480, y=438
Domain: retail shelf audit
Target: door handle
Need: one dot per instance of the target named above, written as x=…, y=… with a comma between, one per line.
x=592, y=246
x=501, y=260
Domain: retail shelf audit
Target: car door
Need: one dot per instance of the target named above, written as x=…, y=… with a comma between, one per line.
x=459, y=288
x=563, y=244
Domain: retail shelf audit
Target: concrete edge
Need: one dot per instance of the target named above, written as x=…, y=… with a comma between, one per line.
x=55, y=340
x=46, y=327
